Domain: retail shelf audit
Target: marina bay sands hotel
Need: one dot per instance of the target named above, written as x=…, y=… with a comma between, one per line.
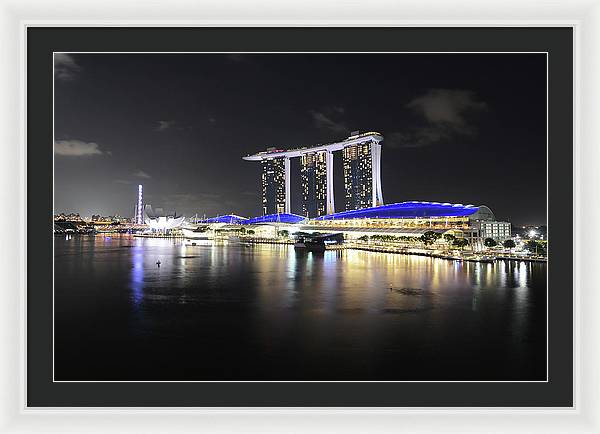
x=361, y=155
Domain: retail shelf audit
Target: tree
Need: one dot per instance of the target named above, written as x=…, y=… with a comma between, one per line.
x=532, y=246
x=284, y=233
x=250, y=232
x=425, y=240
x=449, y=238
x=460, y=242
x=490, y=242
x=543, y=247
x=509, y=244
x=364, y=238
x=536, y=247
x=430, y=237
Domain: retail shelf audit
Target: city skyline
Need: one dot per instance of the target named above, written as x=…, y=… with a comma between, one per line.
x=448, y=137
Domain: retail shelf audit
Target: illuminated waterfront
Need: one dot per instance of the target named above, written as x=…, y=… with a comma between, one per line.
x=268, y=312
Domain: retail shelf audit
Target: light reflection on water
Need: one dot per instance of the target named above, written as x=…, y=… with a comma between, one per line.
x=355, y=312
x=137, y=275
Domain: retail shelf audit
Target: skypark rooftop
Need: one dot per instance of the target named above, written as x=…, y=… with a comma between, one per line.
x=297, y=152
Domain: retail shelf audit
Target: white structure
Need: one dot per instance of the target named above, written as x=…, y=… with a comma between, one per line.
x=164, y=223
x=158, y=221
x=330, y=199
x=139, y=212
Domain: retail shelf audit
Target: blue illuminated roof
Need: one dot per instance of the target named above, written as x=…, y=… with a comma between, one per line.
x=272, y=218
x=411, y=209
x=229, y=218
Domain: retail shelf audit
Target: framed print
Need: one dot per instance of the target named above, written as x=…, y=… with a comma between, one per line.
x=229, y=264
x=296, y=219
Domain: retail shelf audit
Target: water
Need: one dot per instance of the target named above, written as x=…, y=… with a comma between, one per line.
x=271, y=313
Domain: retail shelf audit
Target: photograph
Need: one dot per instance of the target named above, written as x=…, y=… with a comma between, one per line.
x=300, y=216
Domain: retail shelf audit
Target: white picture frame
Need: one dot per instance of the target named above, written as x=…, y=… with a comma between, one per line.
x=583, y=16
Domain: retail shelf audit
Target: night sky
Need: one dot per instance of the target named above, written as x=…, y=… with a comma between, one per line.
x=460, y=128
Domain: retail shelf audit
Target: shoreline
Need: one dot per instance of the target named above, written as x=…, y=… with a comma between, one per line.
x=462, y=257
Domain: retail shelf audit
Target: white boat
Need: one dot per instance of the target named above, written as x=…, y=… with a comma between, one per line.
x=480, y=258
x=200, y=233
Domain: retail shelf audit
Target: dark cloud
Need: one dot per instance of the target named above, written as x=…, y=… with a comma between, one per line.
x=445, y=112
x=164, y=125
x=324, y=120
x=65, y=67
x=446, y=106
x=76, y=148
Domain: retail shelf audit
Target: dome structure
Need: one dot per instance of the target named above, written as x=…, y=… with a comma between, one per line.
x=275, y=218
x=229, y=219
x=412, y=209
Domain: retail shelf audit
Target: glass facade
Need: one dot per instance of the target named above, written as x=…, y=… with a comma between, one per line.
x=359, y=175
x=313, y=172
x=273, y=185
x=426, y=223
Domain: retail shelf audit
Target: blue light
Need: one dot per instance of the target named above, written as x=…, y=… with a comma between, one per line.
x=275, y=218
x=411, y=209
x=137, y=274
x=229, y=219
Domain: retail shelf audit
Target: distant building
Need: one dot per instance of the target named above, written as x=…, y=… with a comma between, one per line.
x=72, y=217
x=498, y=231
x=274, y=185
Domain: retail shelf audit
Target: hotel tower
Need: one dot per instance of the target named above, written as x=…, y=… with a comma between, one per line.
x=361, y=154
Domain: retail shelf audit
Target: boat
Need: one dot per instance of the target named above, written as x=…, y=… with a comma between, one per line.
x=480, y=258
x=310, y=245
x=198, y=235
x=317, y=242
